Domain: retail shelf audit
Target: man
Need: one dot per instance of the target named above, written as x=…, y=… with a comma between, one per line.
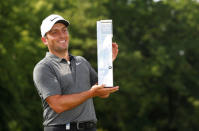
x=66, y=83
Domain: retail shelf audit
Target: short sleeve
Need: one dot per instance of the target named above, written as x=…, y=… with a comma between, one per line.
x=46, y=81
x=93, y=74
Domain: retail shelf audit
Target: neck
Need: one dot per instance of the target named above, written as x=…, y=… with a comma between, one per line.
x=64, y=55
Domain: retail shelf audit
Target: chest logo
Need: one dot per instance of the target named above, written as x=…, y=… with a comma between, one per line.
x=78, y=63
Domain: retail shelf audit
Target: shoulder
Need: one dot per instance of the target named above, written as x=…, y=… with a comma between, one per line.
x=80, y=58
x=42, y=64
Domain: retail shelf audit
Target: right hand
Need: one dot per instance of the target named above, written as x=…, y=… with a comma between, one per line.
x=101, y=91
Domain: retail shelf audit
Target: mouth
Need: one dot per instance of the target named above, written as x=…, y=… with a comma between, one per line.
x=62, y=41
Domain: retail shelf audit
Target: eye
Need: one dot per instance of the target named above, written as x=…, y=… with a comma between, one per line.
x=65, y=30
x=54, y=32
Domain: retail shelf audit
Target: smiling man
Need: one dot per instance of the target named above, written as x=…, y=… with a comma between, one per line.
x=66, y=83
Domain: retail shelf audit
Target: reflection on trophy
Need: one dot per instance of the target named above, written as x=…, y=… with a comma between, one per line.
x=104, y=52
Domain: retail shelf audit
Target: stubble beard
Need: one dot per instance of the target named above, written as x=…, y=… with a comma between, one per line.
x=61, y=50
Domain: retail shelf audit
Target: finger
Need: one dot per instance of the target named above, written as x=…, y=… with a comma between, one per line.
x=101, y=86
x=114, y=44
x=98, y=86
x=113, y=89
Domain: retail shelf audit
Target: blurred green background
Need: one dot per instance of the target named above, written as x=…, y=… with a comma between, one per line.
x=157, y=68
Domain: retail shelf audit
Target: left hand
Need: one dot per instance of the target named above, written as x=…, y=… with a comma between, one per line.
x=114, y=50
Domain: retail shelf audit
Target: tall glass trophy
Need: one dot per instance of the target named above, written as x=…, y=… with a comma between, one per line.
x=104, y=52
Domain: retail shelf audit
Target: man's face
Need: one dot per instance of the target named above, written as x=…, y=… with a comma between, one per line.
x=57, y=39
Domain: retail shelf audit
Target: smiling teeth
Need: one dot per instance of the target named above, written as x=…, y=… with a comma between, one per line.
x=63, y=41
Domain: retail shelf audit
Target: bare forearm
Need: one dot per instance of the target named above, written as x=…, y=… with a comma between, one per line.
x=60, y=103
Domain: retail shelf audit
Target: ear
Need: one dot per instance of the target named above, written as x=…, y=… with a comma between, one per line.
x=44, y=40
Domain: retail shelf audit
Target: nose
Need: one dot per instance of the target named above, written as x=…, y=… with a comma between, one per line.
x=63, y=34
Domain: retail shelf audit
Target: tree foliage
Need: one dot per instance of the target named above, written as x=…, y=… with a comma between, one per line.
x=157, y=68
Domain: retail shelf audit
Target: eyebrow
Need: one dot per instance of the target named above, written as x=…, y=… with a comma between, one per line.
x=58, y=29
x=63, y=27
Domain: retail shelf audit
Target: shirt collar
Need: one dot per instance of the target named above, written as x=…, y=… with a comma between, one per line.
x=58, y=59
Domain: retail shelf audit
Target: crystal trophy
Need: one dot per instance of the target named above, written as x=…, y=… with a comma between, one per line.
x=104, y=52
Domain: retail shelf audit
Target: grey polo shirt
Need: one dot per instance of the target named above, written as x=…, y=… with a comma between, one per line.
x=55, y=76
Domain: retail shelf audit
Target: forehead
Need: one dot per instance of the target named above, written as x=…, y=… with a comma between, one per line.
x=58, y=26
